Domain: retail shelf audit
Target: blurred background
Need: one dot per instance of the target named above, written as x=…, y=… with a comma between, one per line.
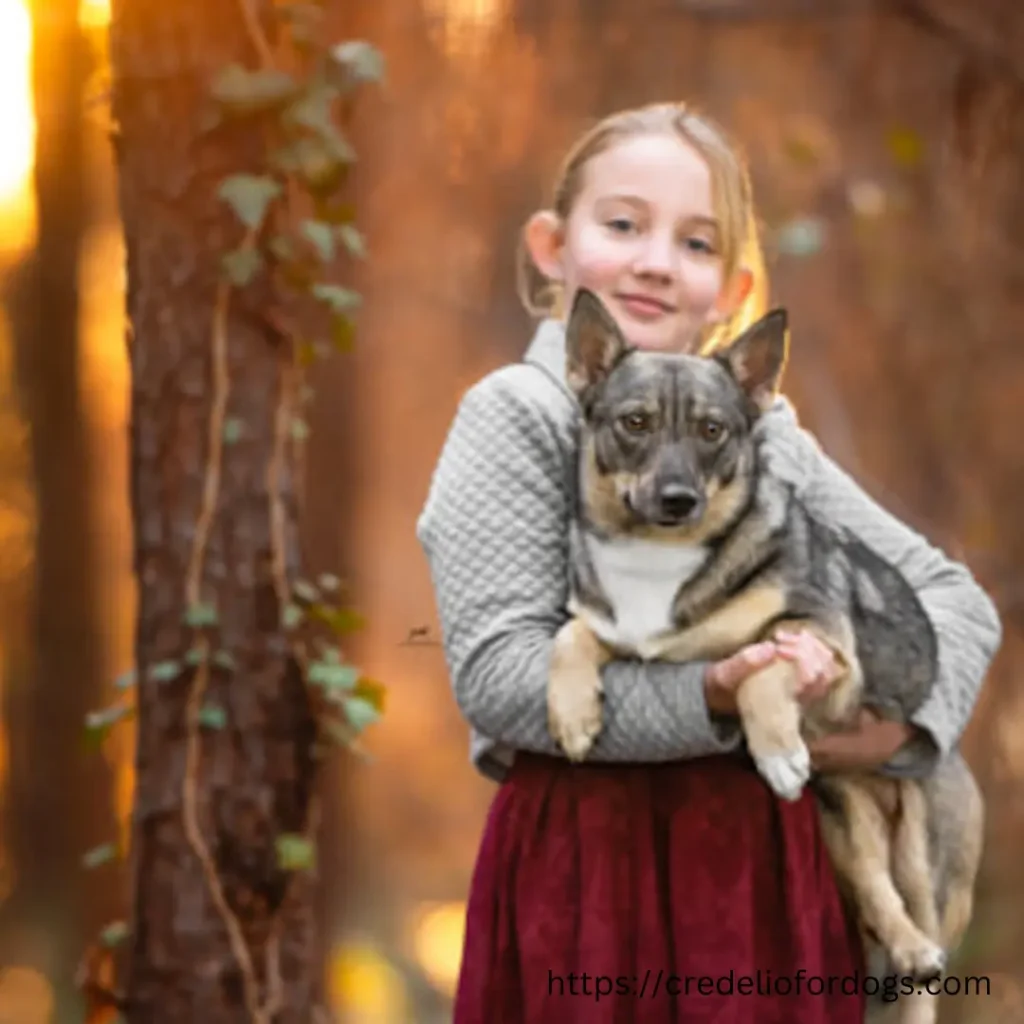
x=886, y=142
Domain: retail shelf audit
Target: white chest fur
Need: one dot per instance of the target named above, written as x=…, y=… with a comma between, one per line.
x=640, y=579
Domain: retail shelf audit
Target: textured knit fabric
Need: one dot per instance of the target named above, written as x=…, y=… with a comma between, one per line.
x=648, y=879
x=495, y=530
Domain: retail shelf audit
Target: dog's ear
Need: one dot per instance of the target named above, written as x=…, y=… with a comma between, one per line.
x=593, y=342
x=757, y=357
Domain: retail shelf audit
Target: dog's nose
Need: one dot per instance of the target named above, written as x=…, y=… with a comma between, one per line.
x=677, y=501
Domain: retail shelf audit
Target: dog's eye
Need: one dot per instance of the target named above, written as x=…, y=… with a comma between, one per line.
x=636, y=422
x=711, y=430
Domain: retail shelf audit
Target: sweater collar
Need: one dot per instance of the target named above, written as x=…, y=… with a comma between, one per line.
x=547, y=351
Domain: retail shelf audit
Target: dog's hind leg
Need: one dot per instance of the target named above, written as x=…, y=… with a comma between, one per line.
x=857, y=835
x=920, y=1008
x=915, y=880
x=910, y=862
x=964, y=860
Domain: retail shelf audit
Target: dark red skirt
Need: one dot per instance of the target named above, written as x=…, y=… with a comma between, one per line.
x=654, y=894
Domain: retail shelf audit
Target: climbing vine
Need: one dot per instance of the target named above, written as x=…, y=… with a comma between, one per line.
x=291, y=227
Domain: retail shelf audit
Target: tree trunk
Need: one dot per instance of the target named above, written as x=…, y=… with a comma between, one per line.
x=59, y=799
x=219, y=932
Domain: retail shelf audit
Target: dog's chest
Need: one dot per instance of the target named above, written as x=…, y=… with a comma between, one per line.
x=640, y=580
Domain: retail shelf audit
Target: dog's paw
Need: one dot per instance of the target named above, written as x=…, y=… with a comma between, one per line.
x=920, y=959
x=786, y=772
x=575, y=704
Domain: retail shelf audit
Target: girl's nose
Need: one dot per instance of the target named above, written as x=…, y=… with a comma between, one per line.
x=656, y=258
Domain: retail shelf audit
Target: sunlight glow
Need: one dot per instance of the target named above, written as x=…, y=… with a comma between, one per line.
x=26, y=997
x=438, y=935
x=364, y=986
x=466, y=25
x=17, y=125
x=94, y=13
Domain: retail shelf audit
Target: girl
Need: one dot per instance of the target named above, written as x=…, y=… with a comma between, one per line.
x=661, y=880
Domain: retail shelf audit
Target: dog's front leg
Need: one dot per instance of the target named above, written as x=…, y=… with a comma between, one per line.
x=575, y=693
x=770, y=714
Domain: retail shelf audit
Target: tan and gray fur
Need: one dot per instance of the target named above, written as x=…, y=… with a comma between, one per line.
x=684, y=549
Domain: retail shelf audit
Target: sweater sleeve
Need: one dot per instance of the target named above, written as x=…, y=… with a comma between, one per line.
x=495, y=530
x=965, y=619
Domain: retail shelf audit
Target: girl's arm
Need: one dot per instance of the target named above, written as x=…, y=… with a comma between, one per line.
x=495, y=531
x=965, y=619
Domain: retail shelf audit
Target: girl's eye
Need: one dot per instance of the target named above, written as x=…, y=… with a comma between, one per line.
x=621, y=225
x=701, y=245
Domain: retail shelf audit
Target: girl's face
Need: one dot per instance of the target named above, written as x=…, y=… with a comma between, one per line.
x=643, y=236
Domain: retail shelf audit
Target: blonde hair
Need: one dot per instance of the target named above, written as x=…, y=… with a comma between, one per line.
x=730, y=183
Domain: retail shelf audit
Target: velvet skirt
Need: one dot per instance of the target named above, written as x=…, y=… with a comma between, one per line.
x=654, y=894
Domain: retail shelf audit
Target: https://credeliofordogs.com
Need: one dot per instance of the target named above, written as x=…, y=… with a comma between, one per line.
x=654, y=984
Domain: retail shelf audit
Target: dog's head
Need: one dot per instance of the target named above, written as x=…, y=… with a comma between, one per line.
x=666, y=445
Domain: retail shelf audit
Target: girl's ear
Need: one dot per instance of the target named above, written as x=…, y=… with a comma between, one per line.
x=543, y=238
x=734, y=294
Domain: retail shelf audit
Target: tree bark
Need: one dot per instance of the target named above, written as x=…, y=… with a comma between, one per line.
x=219, y=931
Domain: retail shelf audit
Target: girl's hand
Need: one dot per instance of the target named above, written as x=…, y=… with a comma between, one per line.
x=722, y=677
x=817, y=667
x=865, y=747
x=816, y=664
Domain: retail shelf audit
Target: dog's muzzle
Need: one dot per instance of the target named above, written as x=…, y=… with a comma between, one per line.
x=676, y=504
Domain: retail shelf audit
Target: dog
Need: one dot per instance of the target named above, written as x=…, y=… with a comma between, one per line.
x=684, y=548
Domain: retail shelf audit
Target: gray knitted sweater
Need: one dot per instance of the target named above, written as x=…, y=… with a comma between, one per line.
x=495, y=530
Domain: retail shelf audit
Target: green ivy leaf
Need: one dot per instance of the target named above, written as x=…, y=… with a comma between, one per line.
x=281, y=248
x=202, y=614
x=241, y=266
x=249, y=195
x=905, y=146
x=371, y=691
x=320, y=163
x=341, y=732
x=295, y=852
x=335, y=212
x=353, y=240
x=98, y=724
x=305, y=19
x=125, y=681
x=240, y=92
x=291, y=616
x=308, y=353
x=165, y=671
x=333, y=677
x=360, y=712
x=338, y=299
x=232, y=431
x=114, y=934
x=99, y=855
x=212, y=717
x=322, y=237
x=359, y=61
x=340, y=620
x=802, y=237
x=224, y=660
x=801, y=151
x=343, y=333
x=313, y=110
